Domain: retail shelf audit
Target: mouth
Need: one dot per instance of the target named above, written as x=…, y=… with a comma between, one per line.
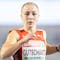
x=30, y=23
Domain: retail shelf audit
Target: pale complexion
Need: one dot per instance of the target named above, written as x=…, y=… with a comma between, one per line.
x=29, y=15
x=13, y=43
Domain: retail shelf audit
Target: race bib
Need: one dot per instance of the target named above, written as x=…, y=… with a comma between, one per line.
x=34, y=50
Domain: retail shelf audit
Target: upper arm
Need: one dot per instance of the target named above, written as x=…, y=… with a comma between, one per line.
x=11, y=38
x=44, y=34
x=47, y=44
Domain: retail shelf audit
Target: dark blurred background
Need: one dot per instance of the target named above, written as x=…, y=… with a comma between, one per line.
x=53, y=37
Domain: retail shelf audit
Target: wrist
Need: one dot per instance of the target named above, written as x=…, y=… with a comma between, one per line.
x=57, y=49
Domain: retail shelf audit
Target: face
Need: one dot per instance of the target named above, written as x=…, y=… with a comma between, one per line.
x=30, y=15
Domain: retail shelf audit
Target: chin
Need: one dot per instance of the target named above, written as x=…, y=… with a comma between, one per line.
x=30, y=27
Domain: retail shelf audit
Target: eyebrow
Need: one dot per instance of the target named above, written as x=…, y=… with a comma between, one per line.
x=29, y=11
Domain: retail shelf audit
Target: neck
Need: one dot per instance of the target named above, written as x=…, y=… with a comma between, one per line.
x=33, y=29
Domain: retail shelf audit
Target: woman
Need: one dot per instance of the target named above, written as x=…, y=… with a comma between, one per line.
x=28, y=42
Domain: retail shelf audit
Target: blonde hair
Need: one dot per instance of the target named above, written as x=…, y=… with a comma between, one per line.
x=29, y=3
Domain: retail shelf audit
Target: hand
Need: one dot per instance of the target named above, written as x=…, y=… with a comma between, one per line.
x=28, y=36
x=58, y=48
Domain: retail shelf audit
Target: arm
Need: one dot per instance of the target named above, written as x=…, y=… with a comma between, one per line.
x=12, y=44
x=50, y=49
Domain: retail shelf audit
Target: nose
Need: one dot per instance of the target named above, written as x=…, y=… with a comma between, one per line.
x=30, y=16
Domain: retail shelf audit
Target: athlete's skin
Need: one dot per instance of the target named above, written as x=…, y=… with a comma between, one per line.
x=29, y=15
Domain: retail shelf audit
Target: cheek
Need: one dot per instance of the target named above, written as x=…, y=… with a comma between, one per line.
x=36, y=18
x=25, y=17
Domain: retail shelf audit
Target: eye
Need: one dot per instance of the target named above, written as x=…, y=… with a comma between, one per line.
x=33, y=13
x=27, y=13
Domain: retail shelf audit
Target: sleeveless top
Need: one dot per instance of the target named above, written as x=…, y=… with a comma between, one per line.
x=34, y=49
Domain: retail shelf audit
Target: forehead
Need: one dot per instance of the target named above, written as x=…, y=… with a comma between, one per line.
x=30, y=7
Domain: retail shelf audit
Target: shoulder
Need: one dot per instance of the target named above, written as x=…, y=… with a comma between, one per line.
x=13, y=32
x=13, y=36
x=44, y=32
x=15, y=29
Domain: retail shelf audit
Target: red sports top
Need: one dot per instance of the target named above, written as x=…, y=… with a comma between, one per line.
x=33, y=49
